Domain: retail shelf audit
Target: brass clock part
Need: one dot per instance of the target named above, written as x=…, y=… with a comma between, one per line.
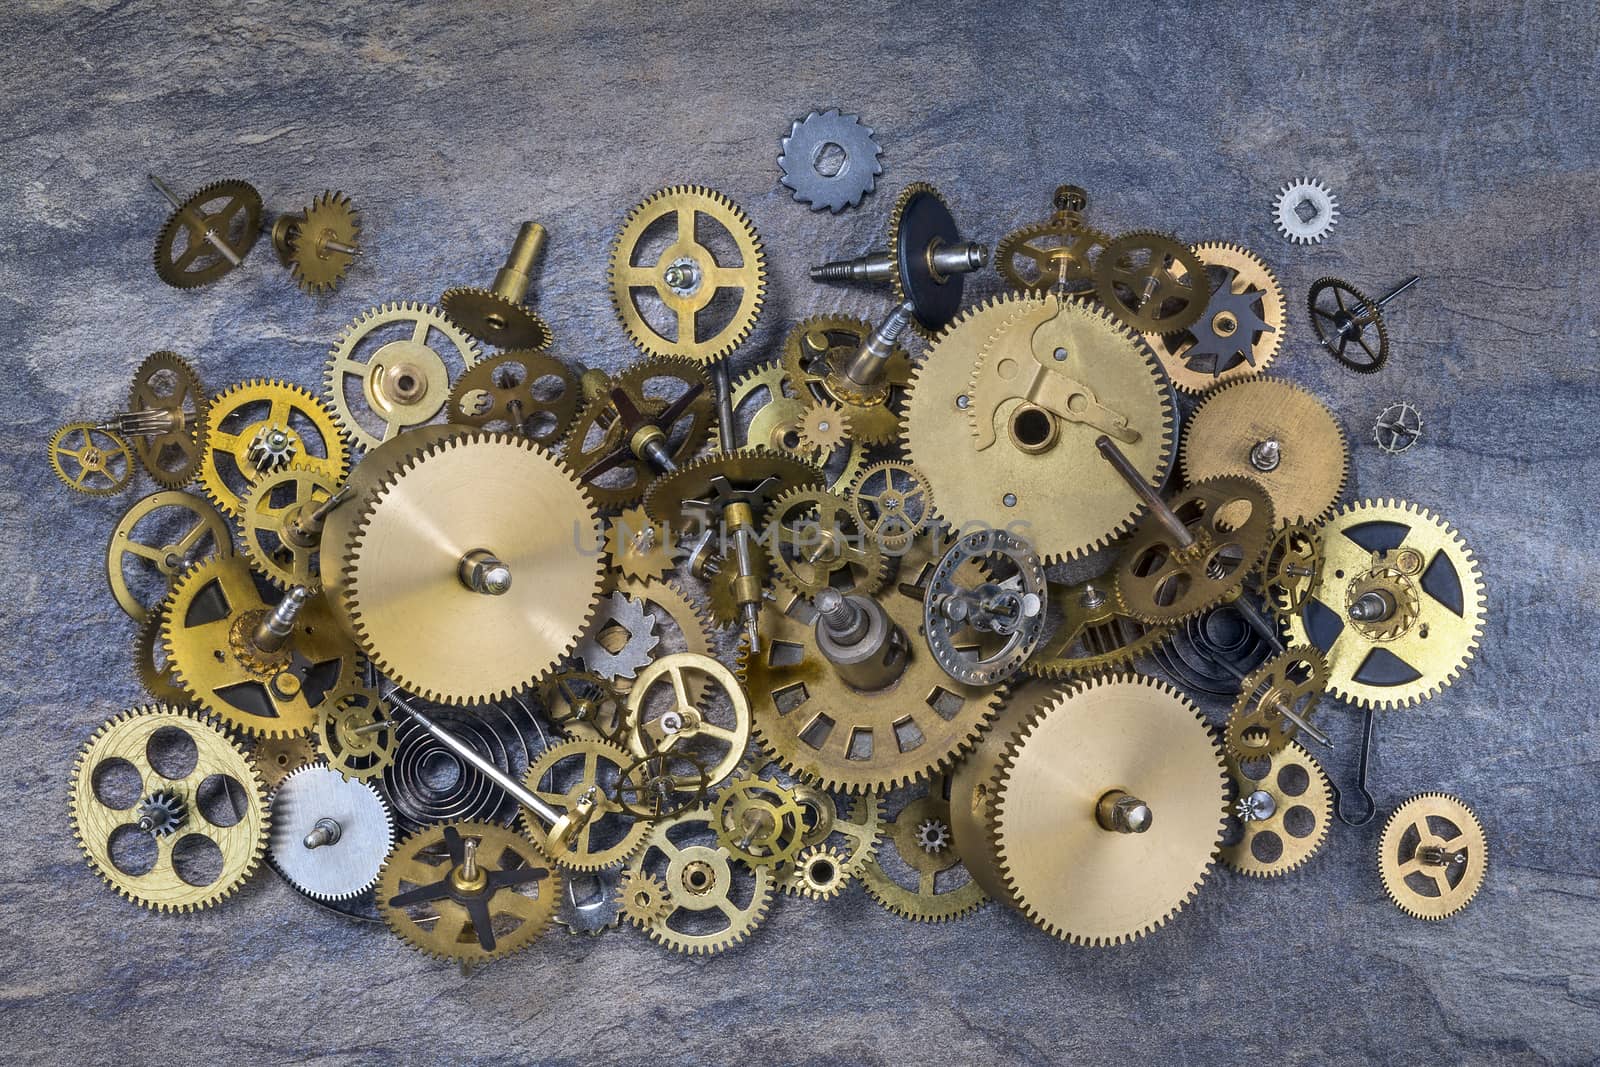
x=521, y=391
x=259, y=427
x=166, y=532
x=165, y=420
x=1054, y=255
x=815, y=353
x=1093, y=632
x=563, y=775
x=1282, y=808
x=281, y=523
x=925, y=881
x=90, y=460
x=318, y=244
x=207, y=235
x=1241, y=329
x=776, y=412
x=712, y=900
x=499, y=316
x=1151, y=282
x=1433, y=856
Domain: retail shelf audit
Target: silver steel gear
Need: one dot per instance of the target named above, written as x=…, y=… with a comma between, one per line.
x=811, y=165
x=981, y=634
x=621, y=639
x=1398, y=427
x=329, y=836
x=1306, y=210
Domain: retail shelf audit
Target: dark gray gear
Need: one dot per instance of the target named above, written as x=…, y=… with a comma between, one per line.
x=803, y=150
x=162, y=813
x=1213, y=353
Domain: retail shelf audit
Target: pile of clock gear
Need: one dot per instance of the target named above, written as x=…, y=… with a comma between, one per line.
x=470, y=638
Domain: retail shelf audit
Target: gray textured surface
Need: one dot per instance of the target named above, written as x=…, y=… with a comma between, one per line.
x=1462, y=147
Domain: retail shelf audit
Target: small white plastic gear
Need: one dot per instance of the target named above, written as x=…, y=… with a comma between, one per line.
x=1318, y=198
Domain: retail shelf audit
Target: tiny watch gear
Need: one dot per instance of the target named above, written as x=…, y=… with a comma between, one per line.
x=319, y=244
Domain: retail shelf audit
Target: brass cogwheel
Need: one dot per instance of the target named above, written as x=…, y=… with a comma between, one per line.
x=1006, y=409
x=155, y=668
x=920, y=875
x=1433, y=856
x=894, y=503
x=1292, y=568
x=815, y=541
x=815, y=351
x=687, y=723
x=278, y=757
x=685, y=275
x=166, y=532
x=470, y=892
x=774, y=421
x=390, y=370
x=1079, y=775
x=207, y=634
x=716, y=900
x=259, y=427
x=495, y=318
x=1276, y=434
x=644, y=899
x=280, y=529
x=1426, y=604
x=584, y=706
x=1240, y=331
x=448, y=521
x=523, y=391
x=138, y=768
x=1229, y=520
x=759, y=822
x=824, y=426
x=166, y=384
x=1151, y=282
x=651, y=385
x=226, y=211
x=679, y=623
x=312, y=243
x=356, y=732
x=845, y=841
x=821, y=729
x=562, y=776
x=1050, y=255
x=699, y=489
x=819, y=873
x=641, y=550
x=1092, y=632
x=90, y=460
x=1295, y=679
x=1283, y=806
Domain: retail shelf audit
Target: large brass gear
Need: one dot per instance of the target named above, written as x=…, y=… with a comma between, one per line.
x=168, y=531
x=90, y=460
x=1283, y=806
x=1257, y=726
x=815, y=541
x=230, y=211
x=523, y=391
x=279, y=529
x=562, y=776
x=402, y=590
x=387, y=372
x=1276, y=434
x=1061, y=777
x=258, y=427
x=814, y=354
x=923, y=845
x=1433, y=856
x=820, y=729
x=651, y=385
x=221, y=775
x=450, y=909
x=1151, y=282
x=1240, y=331
x=641, y=550
x=776, y=412
x=686, y=276
x=701, y=879
x=996, y=448
x=1230, y=522
x=304, y=241
x=166, y=383
x=1092, y=632
x=207, y=634
x=1406, y=552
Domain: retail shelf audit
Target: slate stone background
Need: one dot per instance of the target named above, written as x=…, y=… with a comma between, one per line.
x=1462, y=145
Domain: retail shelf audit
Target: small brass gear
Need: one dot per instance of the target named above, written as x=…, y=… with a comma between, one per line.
x=645, y=900
x=815, y=541
x=495, y=318
x=699, y=489
x=1283, y=806
x=1257, y=727
x=775, y=412
x=760, y=822
x=469, y=892
x=716, y=900
x=1050, y=255
x=813, y=353
x=686, y=275
x=925, y=880
x=1151, y=282
x=641, y=550
x=90, y=460
x=562, y=776
x=279, y=527
x=221, y=774
x=228, y=211
x=1292, y=568
x=1433, y=856
x=356, y=732
x=1240, y=331
x=819, y=873
x=305, y=241
x=850, y=838
x=259, y=427
x=167, y=384
x=685, y=723
x=894, y=503
x=209, y=622
x=1276, y=434
x=523, y=391
x=167, y=532
x=1433, y=616
x=824, y=427
x=390, y=370
x=278, y=757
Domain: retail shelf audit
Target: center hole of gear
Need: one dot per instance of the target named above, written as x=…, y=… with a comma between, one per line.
x=830, y=160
